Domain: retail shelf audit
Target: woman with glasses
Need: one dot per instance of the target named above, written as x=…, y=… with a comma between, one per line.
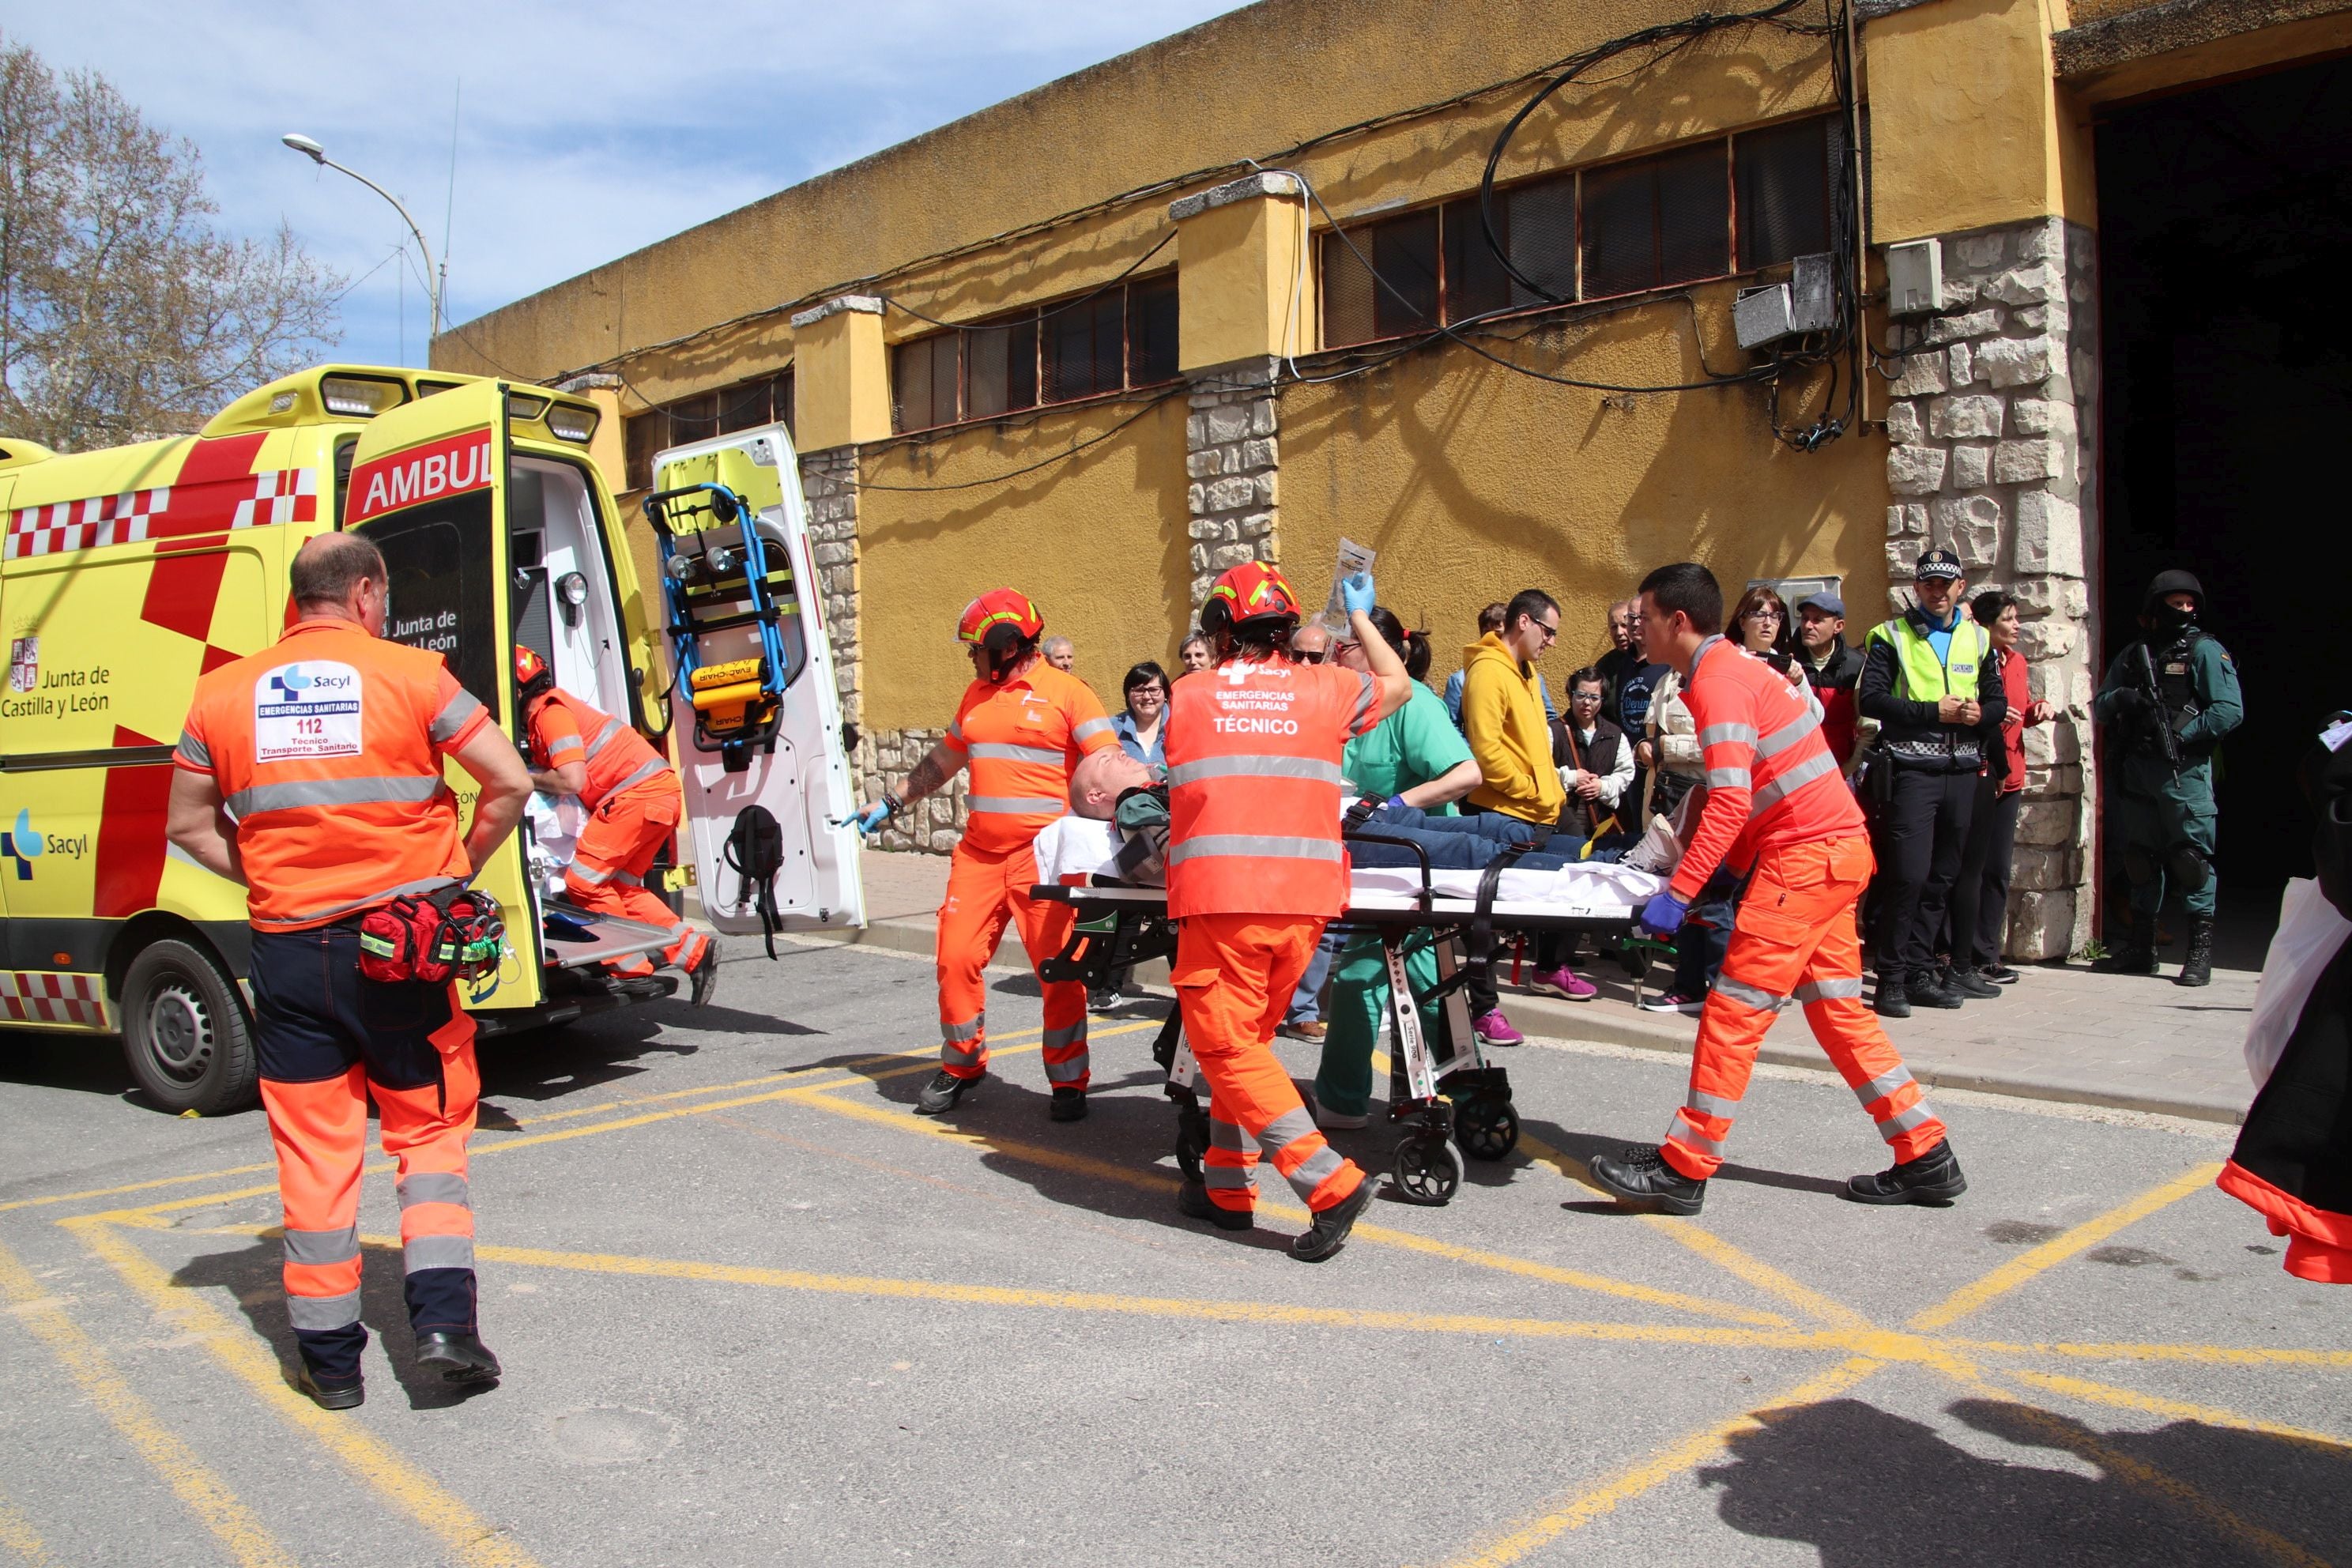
x=1761, y=625
x=1138, y=728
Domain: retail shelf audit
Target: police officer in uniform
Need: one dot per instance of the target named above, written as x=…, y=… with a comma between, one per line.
x=2168, y=699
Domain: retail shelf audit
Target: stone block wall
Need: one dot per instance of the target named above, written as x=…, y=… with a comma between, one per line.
x=1231, y=451
x=1990, y=457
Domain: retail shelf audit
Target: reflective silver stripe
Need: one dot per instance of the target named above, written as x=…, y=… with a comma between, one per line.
x=967, y=1030
x=1716, y=735
x=1727, y=778
x=645, y=770
x=454, y=715
x=1788, y=734
x=438, y=1252
x=434, y=1187
x=1795, y=778
x=194, y=750
x=1315, y=1170
x=422, y=885
x=954, y=1055
x=1286, y=1130
x=1019, y=804
x=563, y=745
x=1227, y=1135
x=1363, y=699
x=605, y=736
x=1824, y=990
x=1881, y=1086
x=1090, y=728
x=1903, y=1121
x=1706, y=1104
x=252, y=802
x=323, y=1311
x=627, y=879
x=1257, y=767
x=991, y=750
x=1740, y=991
x=954, y=737
x=1214, y=844
x=1068, y=1072
x=588, y=875
x=1229, y=1178
x=322, y=1246
x=1678, y=1130
x=1056, y=1039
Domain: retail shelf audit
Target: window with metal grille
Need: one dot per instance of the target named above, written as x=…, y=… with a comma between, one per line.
x=1658, y=220
x=1095, y=345
x=1783, y=176
x=1358, y=307
x=746, y=405
x=1437, y=265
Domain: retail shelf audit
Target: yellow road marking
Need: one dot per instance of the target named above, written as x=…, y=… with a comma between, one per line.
x=135, y=1187
x=468, y=1537
x=191, y=1480
x=2095, y=1392
x=2226, y=1355
x=1516, y=1540
x=1156, y=1180
x=1740, y=1264
x=2089, y=1233
x=18, y=1535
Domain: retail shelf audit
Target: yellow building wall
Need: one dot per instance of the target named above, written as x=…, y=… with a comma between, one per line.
x=1098, y=541
x=1474, y=482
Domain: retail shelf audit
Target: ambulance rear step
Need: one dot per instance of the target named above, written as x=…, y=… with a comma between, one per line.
x=571, y=938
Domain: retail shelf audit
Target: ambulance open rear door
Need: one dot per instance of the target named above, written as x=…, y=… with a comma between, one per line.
x=756, y=722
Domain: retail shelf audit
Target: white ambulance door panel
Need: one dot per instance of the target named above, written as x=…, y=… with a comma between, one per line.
x=780, y=752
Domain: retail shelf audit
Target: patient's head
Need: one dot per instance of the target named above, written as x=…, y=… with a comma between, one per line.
x=1101, y=777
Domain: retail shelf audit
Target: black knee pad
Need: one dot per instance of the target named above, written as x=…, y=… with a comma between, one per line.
x=2139, y=866
x=2189, y=868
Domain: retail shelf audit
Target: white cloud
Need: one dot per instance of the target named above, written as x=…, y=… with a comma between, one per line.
x=587, y=130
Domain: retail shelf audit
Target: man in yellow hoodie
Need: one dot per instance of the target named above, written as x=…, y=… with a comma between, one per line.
x=1503, y=719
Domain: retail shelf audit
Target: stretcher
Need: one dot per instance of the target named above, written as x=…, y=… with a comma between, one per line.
x=1449, y=1099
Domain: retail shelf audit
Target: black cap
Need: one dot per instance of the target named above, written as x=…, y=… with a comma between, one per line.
x=1938, y=564
x=2166, y=584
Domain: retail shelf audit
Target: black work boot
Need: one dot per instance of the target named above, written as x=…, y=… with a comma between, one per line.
x=1934, y=1179
x=1642, y=1181
x=2197, y=970
x=335, y=1396
x=2131, y=957
x=1891, y=1002
x=1967, y=982
x=941, y=1093
x=1329, y=1232
x=1069, y=1105
x=1193, y=1201
x=1926, y=990
x=706, y=975
x=457, y=1357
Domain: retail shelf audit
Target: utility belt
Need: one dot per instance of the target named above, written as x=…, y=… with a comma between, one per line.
x=454, y=932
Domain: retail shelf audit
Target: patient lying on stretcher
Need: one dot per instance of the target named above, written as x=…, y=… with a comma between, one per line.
x=1111, y=786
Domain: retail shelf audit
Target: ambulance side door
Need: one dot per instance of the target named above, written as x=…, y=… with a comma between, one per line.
x=429, y=488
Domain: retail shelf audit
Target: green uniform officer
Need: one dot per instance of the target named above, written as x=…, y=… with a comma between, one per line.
x=2176, y=681
x=1415, y=754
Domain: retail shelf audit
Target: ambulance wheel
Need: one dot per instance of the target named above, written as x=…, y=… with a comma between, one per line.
x=1428, y=1170
x=184, y=1033
x=1486, y=1126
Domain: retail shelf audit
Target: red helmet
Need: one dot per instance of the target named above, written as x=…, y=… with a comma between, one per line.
x=527, y=666
x=1000, y=607
x=1252, y=590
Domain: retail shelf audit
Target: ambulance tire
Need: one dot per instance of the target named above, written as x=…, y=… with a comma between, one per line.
x=184, y=1031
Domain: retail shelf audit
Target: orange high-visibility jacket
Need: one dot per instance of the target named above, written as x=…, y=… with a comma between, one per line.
x=1022, y=739
x=1771, y=778
x=563, y=728
x=1253, y=787
x=328, y=751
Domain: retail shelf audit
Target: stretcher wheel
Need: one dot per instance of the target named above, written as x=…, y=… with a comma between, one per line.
x=1428, y=1170
x=1485, y=1126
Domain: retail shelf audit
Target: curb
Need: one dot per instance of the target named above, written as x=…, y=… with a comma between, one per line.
x=1611, y=1020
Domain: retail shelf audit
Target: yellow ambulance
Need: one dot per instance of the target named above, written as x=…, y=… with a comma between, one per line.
x=127, y=573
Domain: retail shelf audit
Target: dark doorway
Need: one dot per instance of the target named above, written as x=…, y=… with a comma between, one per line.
x=2225, y=247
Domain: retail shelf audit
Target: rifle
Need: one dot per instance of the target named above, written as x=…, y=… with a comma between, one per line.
x=2167, y=741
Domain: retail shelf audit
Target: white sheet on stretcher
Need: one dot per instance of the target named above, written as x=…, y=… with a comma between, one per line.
x=1079, y=847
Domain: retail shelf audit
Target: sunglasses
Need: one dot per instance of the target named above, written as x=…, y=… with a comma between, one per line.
x=1313, y=658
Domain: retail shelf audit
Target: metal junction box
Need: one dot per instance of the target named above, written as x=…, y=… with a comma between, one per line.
x=1915, y=278
x=1806, y=303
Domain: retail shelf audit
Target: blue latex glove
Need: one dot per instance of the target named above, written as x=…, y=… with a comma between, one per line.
x=1356, y=593
x=1662, y=915
x=870, y=821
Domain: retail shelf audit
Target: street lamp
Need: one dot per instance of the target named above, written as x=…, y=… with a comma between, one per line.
x=310, y=148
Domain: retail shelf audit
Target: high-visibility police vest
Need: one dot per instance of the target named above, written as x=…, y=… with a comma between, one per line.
x=616, y=756
x=1253, y=787
x=1925, y=679
x=327, y=748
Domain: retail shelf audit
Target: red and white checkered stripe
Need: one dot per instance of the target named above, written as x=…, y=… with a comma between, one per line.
x=42, y=996
x=284, y=495
x=84, y=524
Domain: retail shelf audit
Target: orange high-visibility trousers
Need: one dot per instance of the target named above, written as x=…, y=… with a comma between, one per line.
x=985, y=893
x=1233, y=975
x=607, y=875
x=1794, y=940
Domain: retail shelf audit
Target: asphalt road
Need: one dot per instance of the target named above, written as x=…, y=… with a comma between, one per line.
x=753, y=1311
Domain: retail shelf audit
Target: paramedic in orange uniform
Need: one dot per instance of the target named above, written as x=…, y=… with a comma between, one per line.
x=311, y=774
x=1778, y=809
x=1254, y=871
x=1020, y=727
x=632, y=803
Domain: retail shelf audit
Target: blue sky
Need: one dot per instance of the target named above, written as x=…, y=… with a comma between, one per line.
x=583, y=131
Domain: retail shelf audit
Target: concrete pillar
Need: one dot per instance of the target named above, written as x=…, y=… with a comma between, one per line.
x=841, y=374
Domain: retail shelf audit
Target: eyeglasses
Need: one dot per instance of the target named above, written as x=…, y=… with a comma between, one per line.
x=1586, y=699
x=1550, y=632
x=1316, y=657
x=1762, y=613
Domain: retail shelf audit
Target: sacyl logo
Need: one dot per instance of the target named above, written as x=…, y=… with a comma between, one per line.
x=22, y=846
